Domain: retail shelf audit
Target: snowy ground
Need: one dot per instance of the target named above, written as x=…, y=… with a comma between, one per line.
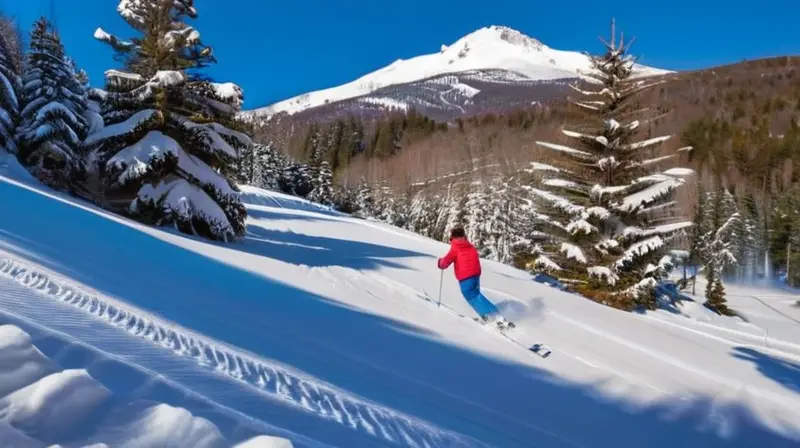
x=313, y=329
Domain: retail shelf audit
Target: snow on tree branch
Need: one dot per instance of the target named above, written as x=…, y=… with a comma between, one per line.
x=646, y=143
x=603, y=273
x=573, y=252
x=566, y=149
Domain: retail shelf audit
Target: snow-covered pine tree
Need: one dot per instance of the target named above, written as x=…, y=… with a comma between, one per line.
x=53, y=111
x=487, y=219
x=344, y=199
x=400, y=207
x=323, y=191
x=452, y=212
x=610, y=209
x=385, y=210
x=260, y=165
x=476, y=216
x=93, y=99
x=273, y=163
x=515, y=233
x=10, y=87
x=422, y=213
x=785, y=233
x=698, y=250
x=751, y=252
x=719, y=253
x=168, y=151
x=296, y=179
x=365, y=200
x=736, y=236
x=522, y=223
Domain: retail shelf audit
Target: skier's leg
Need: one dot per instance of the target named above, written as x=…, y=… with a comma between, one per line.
x=470, y=288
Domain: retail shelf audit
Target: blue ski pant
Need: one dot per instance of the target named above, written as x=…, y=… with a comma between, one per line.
x=471, y=289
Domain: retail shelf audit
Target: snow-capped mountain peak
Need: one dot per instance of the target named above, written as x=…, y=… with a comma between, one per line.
x=489, y=48
x=506, y=34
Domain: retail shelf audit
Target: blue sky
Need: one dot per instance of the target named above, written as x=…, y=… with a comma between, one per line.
x=277, y=49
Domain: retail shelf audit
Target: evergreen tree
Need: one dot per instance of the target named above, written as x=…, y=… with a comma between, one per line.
x=749, y=246
x=323, y=185
x=698, y=254
x=246, y=164
x=54, y=106
x=345, y=200
x=401, y=206
x=296, y=179
x=720, y=242
x=610, y=210
x=10, y=87
x=272, y=164
x=453, y=212
x=260, y=166
x=499, y=232
x=385, y=203
x=422, y=214
x=524, y=231
x=738, y=245
x=365, y=200
x=785, y=238
x=169, y=148
x=476, y=217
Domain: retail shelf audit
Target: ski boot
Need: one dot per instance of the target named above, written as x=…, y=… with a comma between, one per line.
x=499, y=321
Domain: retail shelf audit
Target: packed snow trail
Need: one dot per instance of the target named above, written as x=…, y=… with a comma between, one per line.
x=324, y=304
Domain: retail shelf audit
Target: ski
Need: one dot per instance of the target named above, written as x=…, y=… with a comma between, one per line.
x=539, y=349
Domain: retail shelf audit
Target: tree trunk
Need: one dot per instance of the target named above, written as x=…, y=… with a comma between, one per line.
x=788, y=261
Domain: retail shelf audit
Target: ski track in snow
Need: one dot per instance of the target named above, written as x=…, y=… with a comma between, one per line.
x=781, y=313
x=630, y=361
x=280, y=382
x=663, y=357
x=527, y=339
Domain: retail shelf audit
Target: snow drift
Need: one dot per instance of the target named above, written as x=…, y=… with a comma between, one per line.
x=43, y=404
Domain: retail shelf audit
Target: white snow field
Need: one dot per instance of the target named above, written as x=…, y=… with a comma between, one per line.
x=314, y=329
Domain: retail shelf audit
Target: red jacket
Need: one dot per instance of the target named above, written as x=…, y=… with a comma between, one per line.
x=468, y=263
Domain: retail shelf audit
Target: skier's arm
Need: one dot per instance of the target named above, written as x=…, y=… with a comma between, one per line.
x=448, y=259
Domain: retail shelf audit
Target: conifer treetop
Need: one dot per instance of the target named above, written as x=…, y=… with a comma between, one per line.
x=171, y=142
x=166, y=41
x=52, y=119
x=607, y=200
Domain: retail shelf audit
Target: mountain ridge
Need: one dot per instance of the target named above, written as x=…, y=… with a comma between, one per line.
x=492, y=48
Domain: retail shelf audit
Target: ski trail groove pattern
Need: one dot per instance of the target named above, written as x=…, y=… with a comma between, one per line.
x=280, y=382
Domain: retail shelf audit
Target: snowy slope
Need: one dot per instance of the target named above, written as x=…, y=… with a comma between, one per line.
x=314, y=328
x=43, y=402
x=494, y=47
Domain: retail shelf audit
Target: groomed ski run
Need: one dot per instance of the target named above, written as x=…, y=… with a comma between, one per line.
x=312, y=329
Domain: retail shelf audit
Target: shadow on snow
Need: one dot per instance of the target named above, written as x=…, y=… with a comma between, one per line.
x=320, y=251
x=379, y=359
x=783, y=372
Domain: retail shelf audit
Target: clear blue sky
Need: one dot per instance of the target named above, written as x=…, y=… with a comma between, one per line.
x=276, y=49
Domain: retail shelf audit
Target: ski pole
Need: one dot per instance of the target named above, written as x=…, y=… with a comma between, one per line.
x=441, y=280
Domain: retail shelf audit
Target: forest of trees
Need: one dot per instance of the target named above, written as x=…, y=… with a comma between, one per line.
x=740, y=121
x=576, y=188
x=159, y=143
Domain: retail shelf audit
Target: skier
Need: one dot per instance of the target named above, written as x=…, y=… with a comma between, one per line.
x=468, y=273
